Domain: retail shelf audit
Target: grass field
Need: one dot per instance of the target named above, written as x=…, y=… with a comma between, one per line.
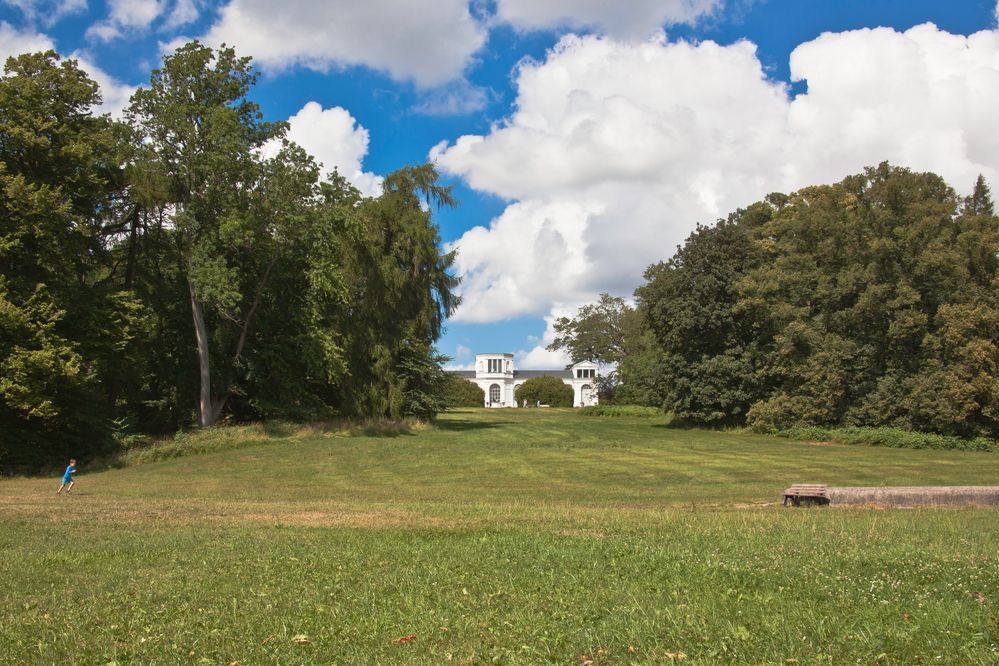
x=501, y=536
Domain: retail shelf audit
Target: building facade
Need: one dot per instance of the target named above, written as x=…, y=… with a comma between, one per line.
x=498, y=379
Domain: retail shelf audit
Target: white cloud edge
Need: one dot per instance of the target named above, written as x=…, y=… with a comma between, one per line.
x=944, y=50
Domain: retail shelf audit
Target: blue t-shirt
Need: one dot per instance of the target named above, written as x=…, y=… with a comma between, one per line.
x=68, y=476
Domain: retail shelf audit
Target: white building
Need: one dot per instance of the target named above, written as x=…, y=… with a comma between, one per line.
x=498, y=379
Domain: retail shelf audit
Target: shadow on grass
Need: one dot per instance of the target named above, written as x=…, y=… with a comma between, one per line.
x=681, y=424
x=464, y=426
x=387, y=429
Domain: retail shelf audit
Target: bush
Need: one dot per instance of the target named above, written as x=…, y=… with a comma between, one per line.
x=550, y=391
x=621, y=410
x=890, y=437
x=459, y=392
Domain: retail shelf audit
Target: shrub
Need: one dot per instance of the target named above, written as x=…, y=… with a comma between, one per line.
x=550, y=391
x=459, y=392
x=621, y=410
x=906, y=439
x=890, y=437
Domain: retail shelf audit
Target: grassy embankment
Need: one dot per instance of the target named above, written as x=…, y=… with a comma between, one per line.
x=511, y=536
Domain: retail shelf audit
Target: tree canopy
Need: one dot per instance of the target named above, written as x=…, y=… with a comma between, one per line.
x=550, y=391
x=188, y=265
x=872, y=301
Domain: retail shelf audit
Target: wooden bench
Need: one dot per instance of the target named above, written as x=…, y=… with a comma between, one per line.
x=809, y=492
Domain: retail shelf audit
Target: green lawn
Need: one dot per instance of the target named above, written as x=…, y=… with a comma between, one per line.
x=506, y=536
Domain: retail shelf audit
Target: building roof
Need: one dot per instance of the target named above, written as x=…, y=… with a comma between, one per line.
x=529, y=374
x=519, y=374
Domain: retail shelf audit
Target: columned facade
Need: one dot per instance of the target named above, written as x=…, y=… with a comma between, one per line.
x=498, y=379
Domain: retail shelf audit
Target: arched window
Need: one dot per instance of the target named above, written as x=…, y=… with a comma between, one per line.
x=586, y=394
x=494, y=393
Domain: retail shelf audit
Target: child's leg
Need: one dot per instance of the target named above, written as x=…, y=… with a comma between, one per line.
x=69, y=488
x=59, y=492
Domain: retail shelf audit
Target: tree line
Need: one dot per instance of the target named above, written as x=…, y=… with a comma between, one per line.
x=188, y=264
x=869, y=302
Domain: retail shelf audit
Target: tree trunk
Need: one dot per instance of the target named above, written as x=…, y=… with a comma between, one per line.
x=206, y=410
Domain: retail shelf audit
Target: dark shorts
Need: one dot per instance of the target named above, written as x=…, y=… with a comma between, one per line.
x=66, y=479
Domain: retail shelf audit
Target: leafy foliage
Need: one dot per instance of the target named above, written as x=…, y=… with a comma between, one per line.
x=550, y=391
x=620, y=410
x=596, y=333
x=613, y=333
x=189, y=266
x=891, y=437
x=459, y=392
x=711, y=350
x=871, y=302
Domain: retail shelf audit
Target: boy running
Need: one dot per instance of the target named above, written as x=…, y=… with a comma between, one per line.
x=67, y=478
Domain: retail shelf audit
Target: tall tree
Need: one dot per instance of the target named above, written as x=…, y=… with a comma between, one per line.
x=201, y=137
x=598, y=332
x=710, y=370
x=401, y=291
x=879, y=292
x=613, y=333
x=60, y=176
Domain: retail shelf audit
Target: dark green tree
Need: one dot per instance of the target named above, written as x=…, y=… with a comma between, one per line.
x=401, y=291
x=598, y=332
x=709, y=371
x=460, y=392
x=614, y=334
x=60, y=180
x=550, y=391
x=861, y=284
x=201, y=136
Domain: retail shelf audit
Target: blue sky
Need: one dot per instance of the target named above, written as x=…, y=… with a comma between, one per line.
x=584, y=139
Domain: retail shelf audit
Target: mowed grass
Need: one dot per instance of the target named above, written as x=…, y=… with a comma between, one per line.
x=500, y=536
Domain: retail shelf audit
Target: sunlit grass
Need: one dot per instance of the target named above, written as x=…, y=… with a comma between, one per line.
x=507, y=535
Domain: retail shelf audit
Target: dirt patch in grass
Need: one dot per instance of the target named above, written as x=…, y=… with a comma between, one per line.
x=589, y=534
x=339, y=518
x=84, y=509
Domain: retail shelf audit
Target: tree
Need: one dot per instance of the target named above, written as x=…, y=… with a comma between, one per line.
x=198, y=232
x=614, y=334
x=60, y=176
x=550, y=391
x=201, y=137
x=640, y=376
x=979, y=202
x=598, y=332
x=880, y=294
x=710, y=349
x=401, y=290
x=462, y=393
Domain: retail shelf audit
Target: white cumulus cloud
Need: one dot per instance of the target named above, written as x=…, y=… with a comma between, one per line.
x=47, y=12
x=428, y=42
x=183, y=12
x=337, y=141
x=538, y=357
x=638, y=18
x=615, y=150
x=126, y=15
x=15, y=42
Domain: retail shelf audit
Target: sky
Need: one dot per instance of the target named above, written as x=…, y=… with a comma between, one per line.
x=585, y=139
